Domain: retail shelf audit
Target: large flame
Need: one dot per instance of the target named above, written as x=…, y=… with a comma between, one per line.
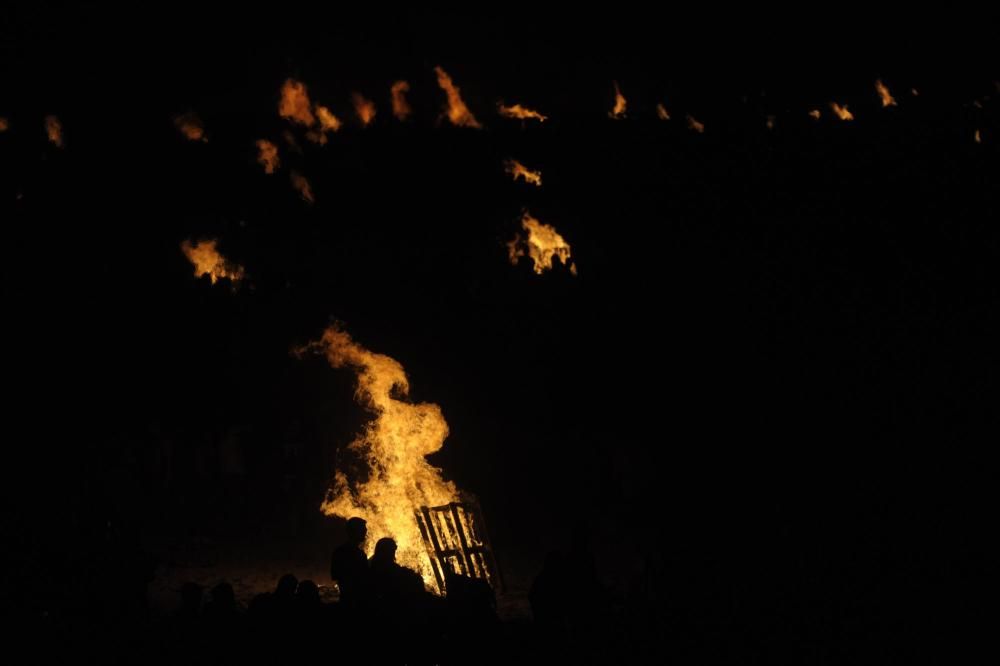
x=207, y=261
x=693, y=124
x=661, y=112
x=541, y=245
x=458, y=113
x=53, y=128
x=267, y=156
x=364, y=107
x=618, y=112
x=520, y=112
x=294, y=104
x=841, y=111
x=883, y=93
x=393, y=447
x=518, y=170
x=302, y=186
x=400, y=107
x=190, y=125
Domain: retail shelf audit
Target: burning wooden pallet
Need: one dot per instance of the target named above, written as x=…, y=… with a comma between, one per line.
x=456, y=540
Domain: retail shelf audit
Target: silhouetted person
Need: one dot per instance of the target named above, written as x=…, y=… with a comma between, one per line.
x=222, y=605
x=392, y=584
x=548, y=593
x=349, y=566
x=307, y=601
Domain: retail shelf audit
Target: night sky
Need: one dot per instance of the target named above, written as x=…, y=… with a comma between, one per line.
x=775, y=374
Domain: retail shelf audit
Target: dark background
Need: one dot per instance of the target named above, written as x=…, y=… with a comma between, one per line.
x=773, y=381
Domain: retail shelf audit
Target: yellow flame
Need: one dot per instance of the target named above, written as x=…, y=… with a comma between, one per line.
x=393, y=445
x=400, y=107
x=294, y=104
x=883, y=93
x=53, y=128
x=520, y=112
x=518, y=170
x=541, y=245
x=207, y=261
x=267, y=156
x=841, y=111
x=190, y=125
x=618, y=112
x=695, y=125
x=302, y=186
x=458, y=113
x=364, y=107
x=4, y=124
x=661, y=112
x=769, y=122
x=977, y=137
x=814, y=114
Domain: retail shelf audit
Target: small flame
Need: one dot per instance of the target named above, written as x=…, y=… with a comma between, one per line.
x=977, y=137
x=207, y=261
x=661, y=112
x=814, y=114
x=190, y=125
x=841, y=111
x=393, y=446
x=54, y=130
x=294, y=104
x=364, y=107
x=327, y=121
x=541, y=244
x=267, y=156
x=769, y=122
x=619, y=111
x=883, y=93
x=302, y=186
x=458, y=113
x=520, y=112
x=693, y=124
x=400, y=107
x=914, y=92
x=4, y=124
x=518, y=170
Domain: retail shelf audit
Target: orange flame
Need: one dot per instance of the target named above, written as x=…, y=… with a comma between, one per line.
x=518, y=170
x=769, y=122
x=54, y=130
x=695, y=125
x=619, y=111
x=841, y=111
x=207, y=261
x=400, y=107
x=294, y=104
x=883, y=93
x=540, y=245
x=190, y=125
x=302, y=186
x=393, y=446
x=267, y=156
x=814, y=114
x=4, y=124
x=520, y=112
x=458, y=113
x=327, y=121
x=977, y=137
x=661, y=112
x=364, y=107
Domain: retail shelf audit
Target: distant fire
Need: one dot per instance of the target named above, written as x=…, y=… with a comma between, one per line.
x=769, y=122
x=520, y=112
x=327, y=121
x=883, y=93
x=207, y=261
x=518, y=170
x=814, y=114
x=841, y=111
x=267, y=156
x=400, y=107
x=458, y=113
x=393, y=447
x=541, y=244
x=977, y=137
x=618, y=112
x=295, y=105
x=302, y=186
x=53, y=128
x=661, y=112
x=364, y=107
x=693, y=124
x=190, y=125
x=4, y=124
